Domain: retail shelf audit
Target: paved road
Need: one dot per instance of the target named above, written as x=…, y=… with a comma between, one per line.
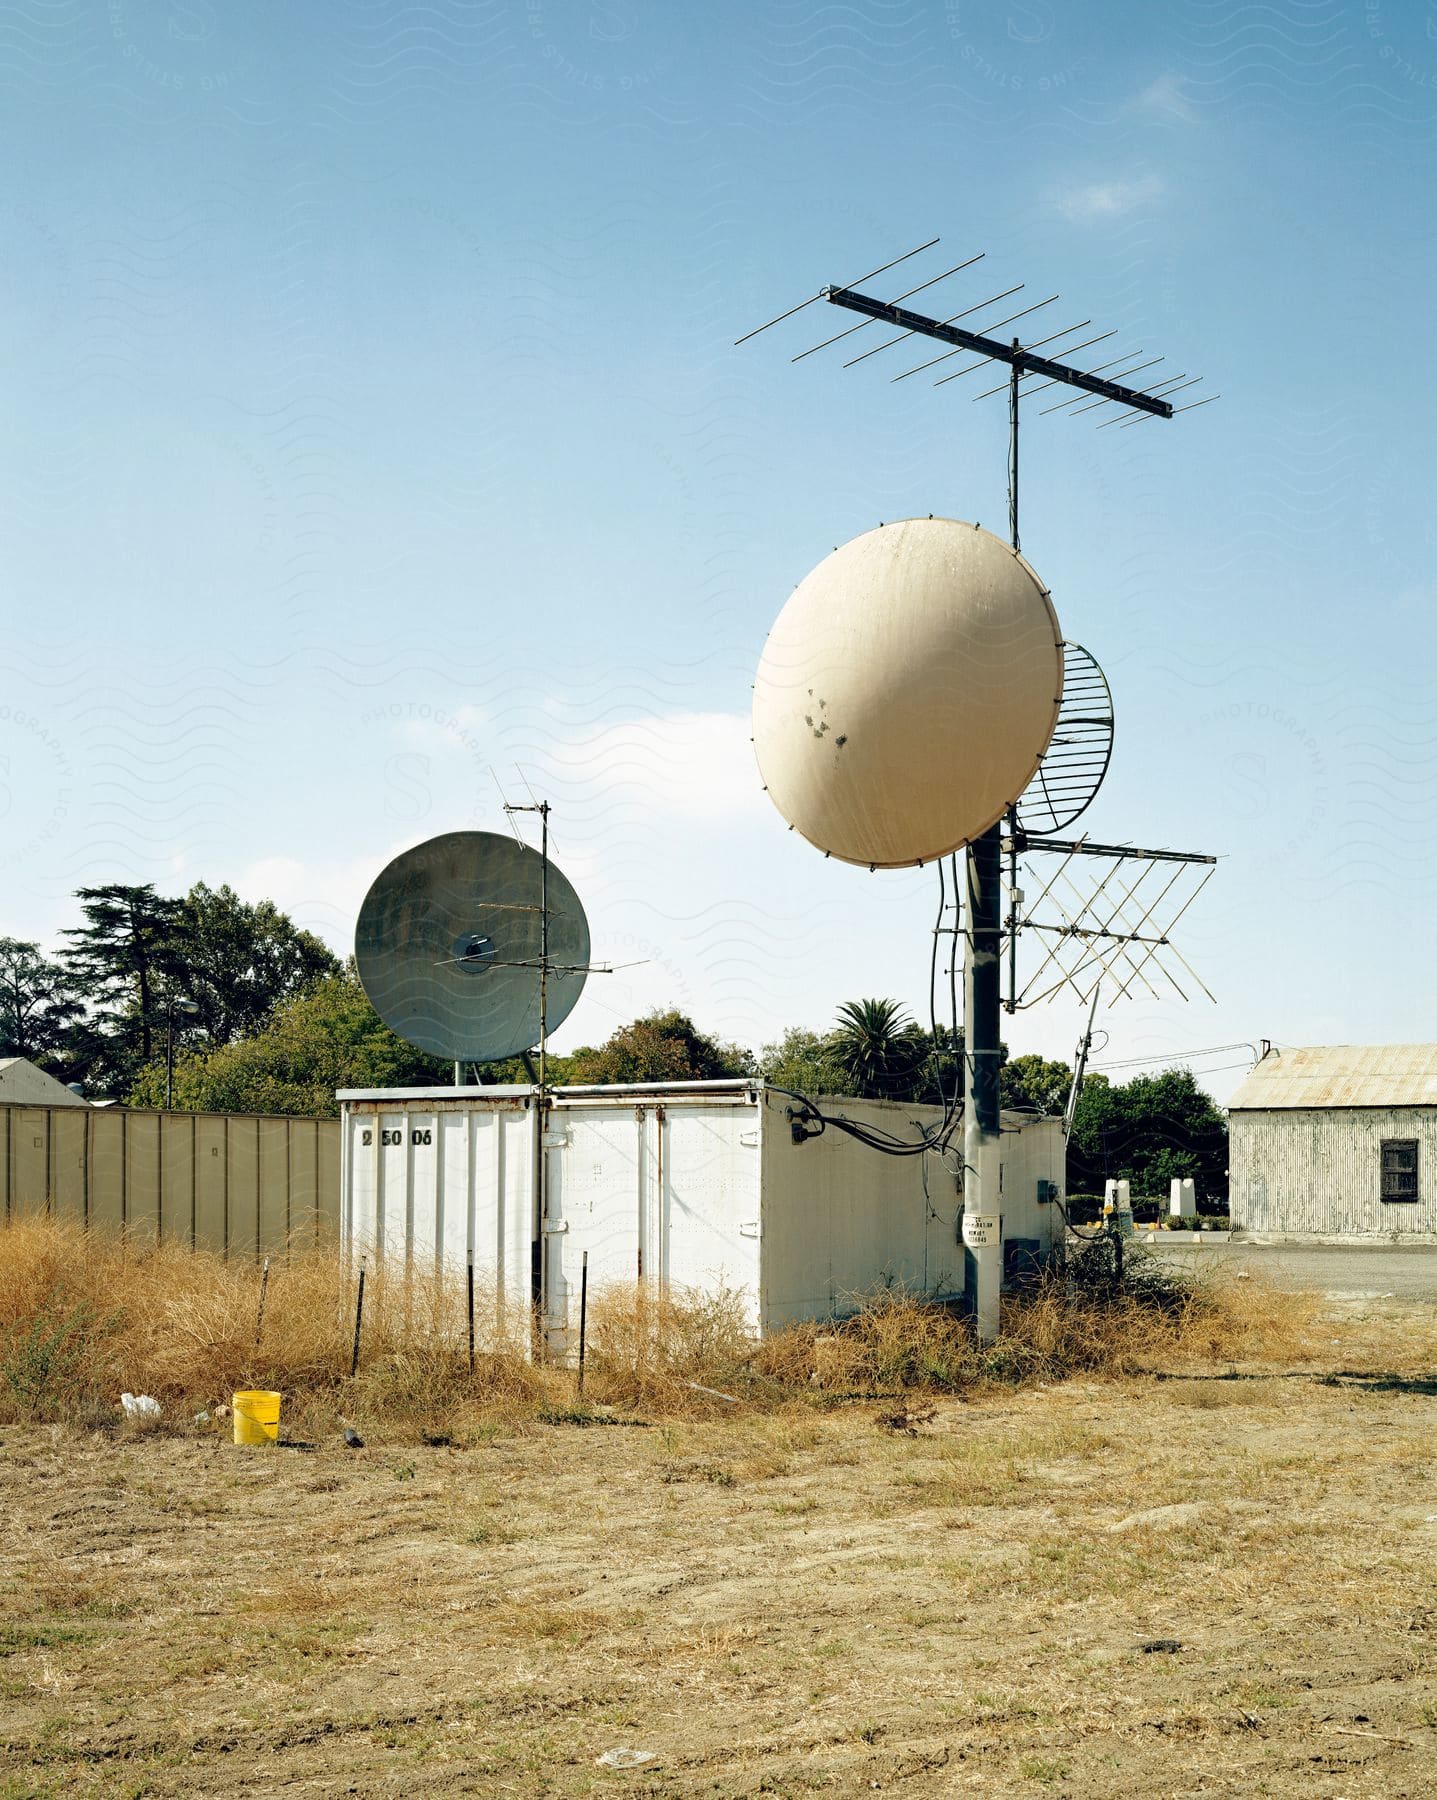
x=1352, y=1272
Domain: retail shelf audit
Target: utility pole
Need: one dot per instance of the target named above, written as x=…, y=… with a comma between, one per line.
x=982, y=1023
x=541, y=1192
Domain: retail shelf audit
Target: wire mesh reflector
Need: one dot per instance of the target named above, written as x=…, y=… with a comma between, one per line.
x=1076, y=760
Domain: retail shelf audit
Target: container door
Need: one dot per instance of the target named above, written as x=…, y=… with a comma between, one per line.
x=707, y=1172
x=664, y=1195
x=596, y=1164
x=434, y=1189
x=490, y=1154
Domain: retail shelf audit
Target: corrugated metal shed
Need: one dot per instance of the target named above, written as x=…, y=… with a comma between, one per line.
x=1327, y=1075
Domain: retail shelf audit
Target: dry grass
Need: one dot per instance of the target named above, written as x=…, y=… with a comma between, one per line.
x=84, y=1317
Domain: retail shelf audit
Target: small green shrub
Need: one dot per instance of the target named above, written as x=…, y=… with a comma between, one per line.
x=45, y=1371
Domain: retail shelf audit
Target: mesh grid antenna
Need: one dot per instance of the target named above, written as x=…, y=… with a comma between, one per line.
x=1079, y=751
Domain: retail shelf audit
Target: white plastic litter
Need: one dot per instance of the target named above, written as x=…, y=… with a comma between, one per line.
x=621, y=1758
x=140, y=1406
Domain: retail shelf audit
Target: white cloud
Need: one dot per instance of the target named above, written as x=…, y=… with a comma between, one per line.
x=1100, y=200
x=1166, y=96
x=322, y=895
x=684, y=766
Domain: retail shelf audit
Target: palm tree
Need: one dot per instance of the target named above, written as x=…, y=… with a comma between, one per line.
x=878, y=1047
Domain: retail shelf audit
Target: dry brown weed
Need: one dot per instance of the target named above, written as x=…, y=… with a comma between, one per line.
x=85, y=1316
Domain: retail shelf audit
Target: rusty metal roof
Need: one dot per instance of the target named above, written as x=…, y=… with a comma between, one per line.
x=1341, y=1075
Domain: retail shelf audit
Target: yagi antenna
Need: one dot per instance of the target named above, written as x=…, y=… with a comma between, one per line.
x=1022, y=359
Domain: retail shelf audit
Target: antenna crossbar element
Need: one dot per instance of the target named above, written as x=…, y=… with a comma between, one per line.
x=1022, y=360
x=1085, y=847
x=1110, y=927
x=907, y=254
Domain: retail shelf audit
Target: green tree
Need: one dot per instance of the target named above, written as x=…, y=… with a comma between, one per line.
x=878, y=1048
x=119, y=961
x=924, y=1066
x=1169, y=1164
x=37, y=1003
x=663, y=1046
x=241, y=960
x=1036, y=1084
x=801, y=1061
x=327, y=1038
x=1145, y=1131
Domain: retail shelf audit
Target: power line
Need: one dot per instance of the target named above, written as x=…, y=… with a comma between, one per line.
x=1178, y=1056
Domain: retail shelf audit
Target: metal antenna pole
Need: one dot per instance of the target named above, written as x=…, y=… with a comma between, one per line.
x=1010, y=1005
x=982, y=983
x=541, y=1188
x=983, y=1017
x=1015, y=376
x=540, y=1270
x=543, y=941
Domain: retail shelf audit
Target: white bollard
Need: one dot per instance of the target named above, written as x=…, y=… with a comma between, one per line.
x=1118, y=1206
x=1176, y=1197
x=1189, y=1195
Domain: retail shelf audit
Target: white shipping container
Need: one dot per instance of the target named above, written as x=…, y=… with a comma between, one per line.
x=685, y=1185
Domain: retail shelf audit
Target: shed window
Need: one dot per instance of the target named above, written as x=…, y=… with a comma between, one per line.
x=1399, y=1168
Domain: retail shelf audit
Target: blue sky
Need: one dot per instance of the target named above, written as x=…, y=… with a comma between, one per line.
x=376, y=445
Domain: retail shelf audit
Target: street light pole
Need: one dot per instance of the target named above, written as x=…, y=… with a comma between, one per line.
x=185, y=1006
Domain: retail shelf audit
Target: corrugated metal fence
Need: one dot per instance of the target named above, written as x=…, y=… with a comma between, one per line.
x=241, y=1183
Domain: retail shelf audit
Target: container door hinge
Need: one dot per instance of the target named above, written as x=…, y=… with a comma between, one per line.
x=556, y=1229
x=750, y=1228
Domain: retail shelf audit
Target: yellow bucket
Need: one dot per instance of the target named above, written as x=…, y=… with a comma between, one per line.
x=256, y=1413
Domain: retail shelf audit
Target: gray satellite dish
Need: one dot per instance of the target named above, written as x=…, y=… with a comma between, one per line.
x=449, y=946
x=1076, y=760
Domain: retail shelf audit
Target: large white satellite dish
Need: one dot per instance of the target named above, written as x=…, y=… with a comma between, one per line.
x=907, y=692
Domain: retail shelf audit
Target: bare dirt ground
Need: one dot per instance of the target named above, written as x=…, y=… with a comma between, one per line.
x=793, y=1604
